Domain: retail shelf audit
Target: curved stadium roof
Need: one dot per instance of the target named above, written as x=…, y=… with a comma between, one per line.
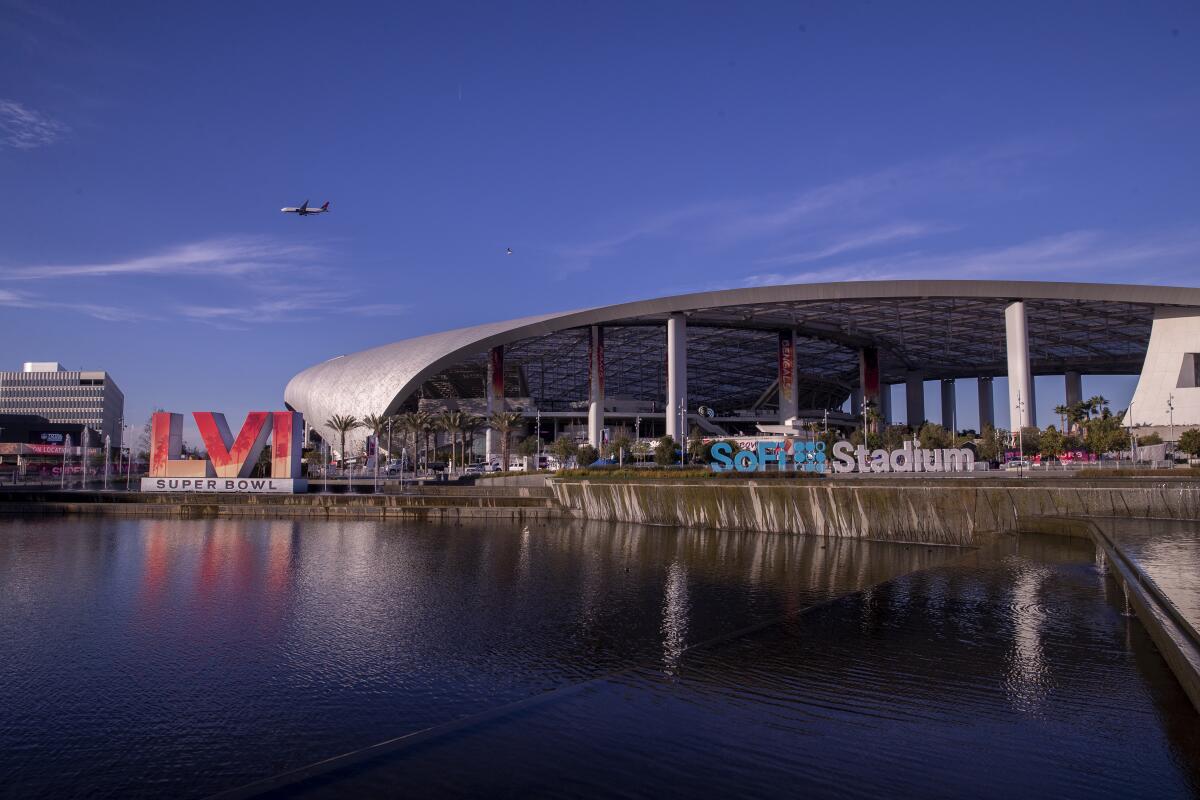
x=946, y=329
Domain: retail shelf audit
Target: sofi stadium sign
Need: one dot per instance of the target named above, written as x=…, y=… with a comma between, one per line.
x=231, y=460
x=812, y=457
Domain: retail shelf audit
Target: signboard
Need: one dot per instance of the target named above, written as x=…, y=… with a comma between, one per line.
x=845, y=458
x=231, y=460
x=787, y=371
x=243, y=485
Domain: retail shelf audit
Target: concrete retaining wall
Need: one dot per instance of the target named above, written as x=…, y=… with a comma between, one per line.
x=959, y=512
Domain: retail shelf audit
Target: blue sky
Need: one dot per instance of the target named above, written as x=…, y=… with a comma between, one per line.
x=622, y=150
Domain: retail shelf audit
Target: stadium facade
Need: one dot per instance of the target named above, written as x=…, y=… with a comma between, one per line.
x=781, y=355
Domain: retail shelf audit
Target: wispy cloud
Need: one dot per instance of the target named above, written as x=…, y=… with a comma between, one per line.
x=229, y=256
x=25, y=129
x=297, y=306
x=1069, y=256
x=860, y=240
x=865, y=210
x=99, y=311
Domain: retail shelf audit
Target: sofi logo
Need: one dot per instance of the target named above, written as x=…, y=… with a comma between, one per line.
x=228, y=456
x=801, y=456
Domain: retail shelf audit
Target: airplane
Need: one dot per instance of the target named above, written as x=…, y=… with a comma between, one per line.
x=304, y=210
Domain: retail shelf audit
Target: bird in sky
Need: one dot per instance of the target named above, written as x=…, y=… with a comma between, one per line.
x=508, y=251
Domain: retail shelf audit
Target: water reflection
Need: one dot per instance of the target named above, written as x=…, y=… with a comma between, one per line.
x=183, y=657
x=1168, y=551
x=675, y=616
x=1027, y=671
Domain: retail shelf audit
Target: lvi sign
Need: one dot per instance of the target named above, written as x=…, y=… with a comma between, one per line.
x=231, y=460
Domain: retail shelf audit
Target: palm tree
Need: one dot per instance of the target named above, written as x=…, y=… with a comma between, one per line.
x=1062, y=412
x=376, y=425
x=451, y=423
x=408, y=424
x=504, y=423
x=424, y=425
x=470, y=426
x=342, y=424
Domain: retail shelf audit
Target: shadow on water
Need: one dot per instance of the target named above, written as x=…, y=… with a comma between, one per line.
x=187, y=657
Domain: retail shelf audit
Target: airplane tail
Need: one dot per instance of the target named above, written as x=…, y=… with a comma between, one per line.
x=326, y=206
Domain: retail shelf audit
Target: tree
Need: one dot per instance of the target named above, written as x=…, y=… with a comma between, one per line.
x=1030, y=440
x=420, y=424
x=1062, y=411
x=992, y=442
x=505, y=423
x=409, y=426
x=470, y=426
x=894, y=437
x=618, y=445
x=933, y=436
x=664, y=452
x=1052, y=443
x=143, y=445
x=1105, y=434
x=564, y=449
x=451, y=422
x=376, y=424
x=1149, y=439
x=529, y=446
x=342, y=424
x=586, y=455
x=1189, y=442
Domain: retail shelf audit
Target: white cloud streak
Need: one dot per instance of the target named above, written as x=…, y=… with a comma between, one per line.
x=98, y=311
x=25, y=129
x=1084, y=255
x=860, y=240
x=227, y=257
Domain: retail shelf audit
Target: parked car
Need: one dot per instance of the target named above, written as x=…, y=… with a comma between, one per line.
x=1018, y=465
x=475, y=469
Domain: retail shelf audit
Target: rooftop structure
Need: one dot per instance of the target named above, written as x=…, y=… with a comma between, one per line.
x=778, y=353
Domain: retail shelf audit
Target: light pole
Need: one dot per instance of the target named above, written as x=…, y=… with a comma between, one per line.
x=128, y=460
x=107, y=445
x=1020, y=435
x=637, y=431
x=389, y=444
x=66, y=449
x=539, y=439
x=1171, y=412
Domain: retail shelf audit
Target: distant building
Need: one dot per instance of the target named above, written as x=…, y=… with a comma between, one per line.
x=64, y=398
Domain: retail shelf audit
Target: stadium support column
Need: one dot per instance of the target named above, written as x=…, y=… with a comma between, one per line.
x=789, y=389
x=949, y=406
x=868, y=377
x=1074, y=388
x=596, y=387
x=987, y=404
x=677, y=377
x=1021, y=401
x=914, y=398
x=495, y=395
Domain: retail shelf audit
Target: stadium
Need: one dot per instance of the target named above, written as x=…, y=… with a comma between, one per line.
x=774, y=358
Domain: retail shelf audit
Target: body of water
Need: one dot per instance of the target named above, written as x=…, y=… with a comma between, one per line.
x=182, y=658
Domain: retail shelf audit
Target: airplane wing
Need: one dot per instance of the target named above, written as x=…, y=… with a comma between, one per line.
x=304, y=206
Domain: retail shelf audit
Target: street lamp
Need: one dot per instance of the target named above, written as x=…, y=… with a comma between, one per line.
x=1020, y=435
x=1171, y=412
